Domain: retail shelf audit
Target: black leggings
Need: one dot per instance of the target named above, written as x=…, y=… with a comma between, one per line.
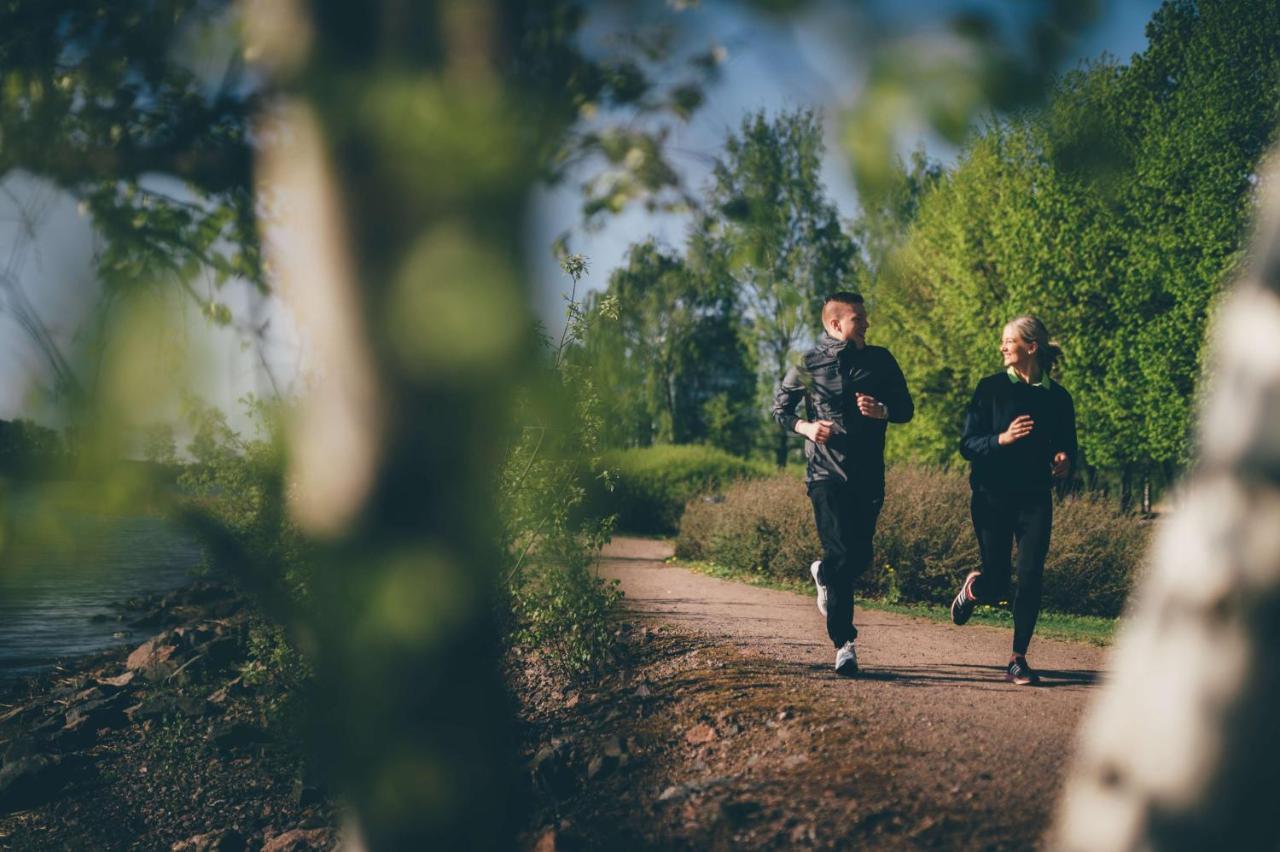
x=1000, y=520
x=846, y=518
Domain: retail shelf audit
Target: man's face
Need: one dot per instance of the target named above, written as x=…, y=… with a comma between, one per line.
x=849, y=323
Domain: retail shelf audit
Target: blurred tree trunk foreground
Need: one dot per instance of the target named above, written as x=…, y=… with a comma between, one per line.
x=1182, y=749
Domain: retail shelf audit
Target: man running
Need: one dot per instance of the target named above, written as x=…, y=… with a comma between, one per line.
x=851, y=392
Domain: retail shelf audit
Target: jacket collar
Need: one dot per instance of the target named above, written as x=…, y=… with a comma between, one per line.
x=831, y=344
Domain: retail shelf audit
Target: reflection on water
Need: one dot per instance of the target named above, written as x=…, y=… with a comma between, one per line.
x=52, y=587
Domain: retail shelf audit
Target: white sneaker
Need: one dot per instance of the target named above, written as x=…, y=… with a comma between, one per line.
x=847, y=660
x=822, y=590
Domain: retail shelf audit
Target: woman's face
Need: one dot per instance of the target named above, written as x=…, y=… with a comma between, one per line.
x=1017, y=353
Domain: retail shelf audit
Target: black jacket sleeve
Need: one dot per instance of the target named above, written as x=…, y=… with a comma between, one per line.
x=786, y=396
x=897, y=397
x=979, y=438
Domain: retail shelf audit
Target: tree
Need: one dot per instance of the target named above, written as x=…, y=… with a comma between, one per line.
x=781, y=238
x=674, y=363
x=1115, y=212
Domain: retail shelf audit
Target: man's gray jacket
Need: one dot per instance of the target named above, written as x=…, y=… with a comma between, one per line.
x=827, y=379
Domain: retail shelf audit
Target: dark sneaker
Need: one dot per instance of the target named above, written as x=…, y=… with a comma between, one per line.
x=822, y=590
x=847, y=660
x=965, y=601
x=1021, y=673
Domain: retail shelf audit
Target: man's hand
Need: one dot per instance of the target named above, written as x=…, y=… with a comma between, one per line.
x=815, y=430
x=871, y=407
x=1018, y=429
x=1061, y=466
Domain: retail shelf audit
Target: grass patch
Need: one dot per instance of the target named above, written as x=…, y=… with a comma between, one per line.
x=1089, y=629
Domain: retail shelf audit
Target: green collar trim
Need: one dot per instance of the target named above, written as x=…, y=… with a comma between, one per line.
x=1045, y=382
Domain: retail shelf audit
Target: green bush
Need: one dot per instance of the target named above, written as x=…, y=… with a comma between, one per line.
x=924, y=541
x=651, y=485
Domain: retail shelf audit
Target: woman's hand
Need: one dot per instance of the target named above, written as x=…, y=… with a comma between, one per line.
x=1018, y=429
x=1061, y=466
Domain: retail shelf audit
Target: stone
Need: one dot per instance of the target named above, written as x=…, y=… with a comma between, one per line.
x=302, y=840
x=214, y=841
x=119, y=681
x=152, y=653
x=234, y=735
x=547, y=842
x=32, y=780
x=700, y=734
x=102, y=713
x=550, y=769
x=167, y=706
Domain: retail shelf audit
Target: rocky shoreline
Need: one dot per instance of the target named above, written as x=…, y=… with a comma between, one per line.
x=184, y=742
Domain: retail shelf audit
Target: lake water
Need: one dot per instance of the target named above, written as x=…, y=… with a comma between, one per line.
x=51, y=587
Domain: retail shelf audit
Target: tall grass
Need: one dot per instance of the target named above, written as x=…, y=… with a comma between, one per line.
x=924, y=541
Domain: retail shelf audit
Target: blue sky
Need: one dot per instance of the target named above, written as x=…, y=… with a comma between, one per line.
x=809, y=61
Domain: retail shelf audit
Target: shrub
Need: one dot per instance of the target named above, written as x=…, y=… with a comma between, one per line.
x=651, y=485
x=924, y=540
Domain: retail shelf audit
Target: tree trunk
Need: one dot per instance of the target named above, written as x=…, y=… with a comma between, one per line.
x=1181, y=750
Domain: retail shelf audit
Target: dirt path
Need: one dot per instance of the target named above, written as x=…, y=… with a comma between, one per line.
x=747, y=736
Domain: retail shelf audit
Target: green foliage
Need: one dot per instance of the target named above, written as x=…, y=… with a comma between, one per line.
x=558, y=607
x=704, y=335
x=276, y=667
x=651, y=485
x=101, y=99
x=924, y=542
x=673, y=363
x=238, y=483
x=779, y=237
x=28, y=449
x=564, y=613
x=1116, y=213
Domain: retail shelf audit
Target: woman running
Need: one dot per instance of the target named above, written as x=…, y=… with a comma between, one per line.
x=1019, y=435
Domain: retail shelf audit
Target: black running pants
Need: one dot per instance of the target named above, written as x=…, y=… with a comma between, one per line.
x=1000, y=520
x=846, y=518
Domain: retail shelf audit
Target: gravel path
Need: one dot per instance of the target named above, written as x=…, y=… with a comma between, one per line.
x=929, y=731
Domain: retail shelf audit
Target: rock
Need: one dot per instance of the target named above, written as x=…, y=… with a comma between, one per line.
x=221, y=696
x=152, y=659
x=233, y=735
x=118, y=682
x=547, y=842
x=612, y=747
x=214, y=841
x=675, y=791
x=643, y=691
x=302, y=840
x=171, y=706
x=91, y=715
x=32, y=780
x=220, y=651
x=601, y=764
x=306, y=792
x=16, y=712
x=700, y=734
x=736, y=813
x=550, y=769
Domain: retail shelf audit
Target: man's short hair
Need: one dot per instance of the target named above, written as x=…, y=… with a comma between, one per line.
x=844, y=297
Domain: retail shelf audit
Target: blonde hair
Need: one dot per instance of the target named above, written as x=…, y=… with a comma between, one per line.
x=1033, y=330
